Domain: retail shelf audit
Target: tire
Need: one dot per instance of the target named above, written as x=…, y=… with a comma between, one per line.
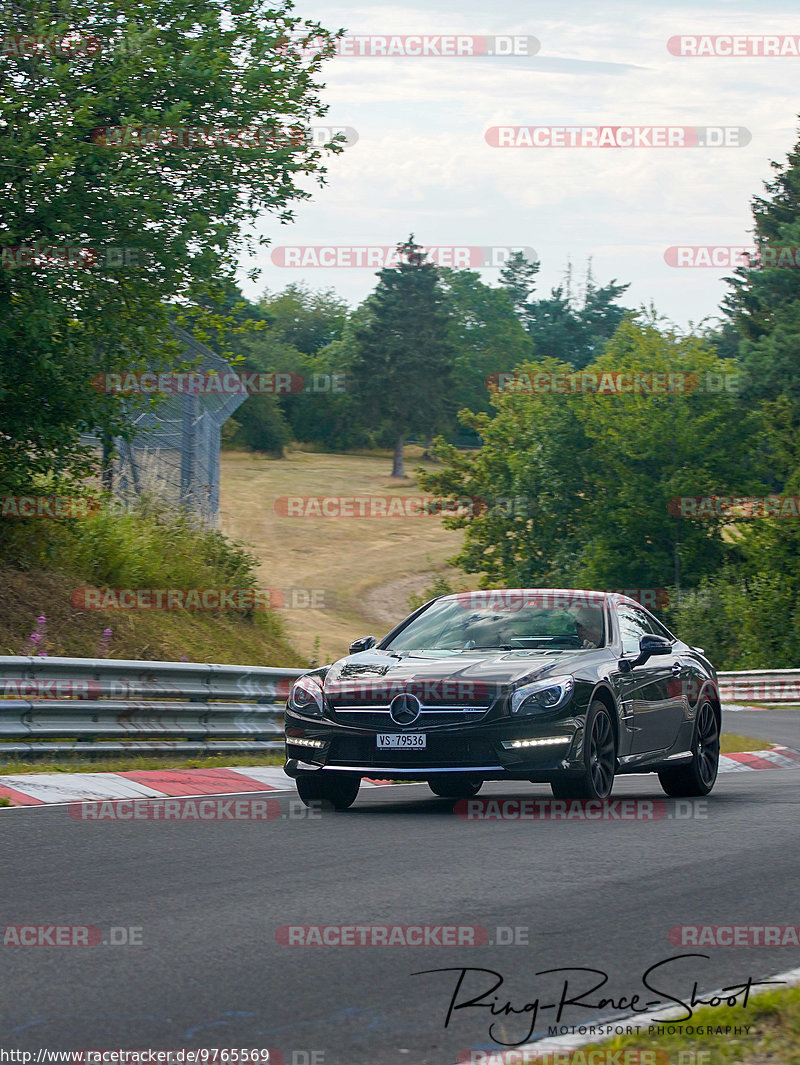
x=699, y=775
x=335, y=791
x=599, y=757
x=455, y=786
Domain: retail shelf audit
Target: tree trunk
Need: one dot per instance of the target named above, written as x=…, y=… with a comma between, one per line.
x=426, y=454
x=398, y=463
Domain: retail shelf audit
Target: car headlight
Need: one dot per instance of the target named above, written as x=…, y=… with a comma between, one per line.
x=548, y=694
x=306, y=697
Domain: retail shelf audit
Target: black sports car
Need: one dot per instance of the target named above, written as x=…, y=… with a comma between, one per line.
x=558, y=686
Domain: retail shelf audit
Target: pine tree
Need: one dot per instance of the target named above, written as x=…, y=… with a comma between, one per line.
x=764, y=302
x=402, y=371
x=518, y=277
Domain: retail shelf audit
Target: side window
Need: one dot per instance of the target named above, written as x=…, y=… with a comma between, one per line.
x=633, y=624
x=658, y=629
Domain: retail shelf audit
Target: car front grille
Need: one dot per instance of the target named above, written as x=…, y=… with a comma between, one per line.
x=442, y=750
x=378, y=717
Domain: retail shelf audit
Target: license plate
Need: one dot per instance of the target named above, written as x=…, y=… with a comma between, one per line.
x=395, y=740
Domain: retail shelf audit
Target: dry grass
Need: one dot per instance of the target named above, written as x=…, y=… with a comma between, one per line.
x=368, y=567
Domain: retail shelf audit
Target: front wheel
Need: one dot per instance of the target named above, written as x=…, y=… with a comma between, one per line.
x=599, y=757
x=336, y=790
x=454, y=787
x=698, y=776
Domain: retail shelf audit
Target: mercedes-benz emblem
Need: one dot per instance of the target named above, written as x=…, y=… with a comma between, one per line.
x=404, y=709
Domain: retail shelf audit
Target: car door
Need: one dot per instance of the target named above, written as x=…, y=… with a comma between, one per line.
x=652, y=692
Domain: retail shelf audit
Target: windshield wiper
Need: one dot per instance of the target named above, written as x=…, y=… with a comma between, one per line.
x=491, y=647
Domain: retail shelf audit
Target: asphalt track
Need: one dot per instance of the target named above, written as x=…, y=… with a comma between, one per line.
x=775, y=725
x=209, y=898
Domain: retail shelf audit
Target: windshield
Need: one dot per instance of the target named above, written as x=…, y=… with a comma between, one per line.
x=459, y=623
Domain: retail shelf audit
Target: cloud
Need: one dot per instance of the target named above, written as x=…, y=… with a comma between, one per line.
x=422, y=163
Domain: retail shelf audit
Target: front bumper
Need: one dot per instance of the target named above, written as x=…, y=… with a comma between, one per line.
x=483, y=750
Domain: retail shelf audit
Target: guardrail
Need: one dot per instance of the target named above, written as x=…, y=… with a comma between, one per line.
x=67, y=706
x=760, y=685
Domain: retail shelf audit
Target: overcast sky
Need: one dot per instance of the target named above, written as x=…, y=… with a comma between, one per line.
x=422, y=163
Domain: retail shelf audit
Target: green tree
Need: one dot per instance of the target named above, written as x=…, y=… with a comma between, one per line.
x=307, y=320
x=600, y=315
x=518, y=277
x=403, y=365
x=299, y=331
x=579, y=486
x=763, y=307
x=486, y=334
x=181, y=210
x=561, y=325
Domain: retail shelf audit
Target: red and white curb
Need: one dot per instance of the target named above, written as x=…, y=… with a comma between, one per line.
x=758, y=706
x=40, y=789
x=776, y=758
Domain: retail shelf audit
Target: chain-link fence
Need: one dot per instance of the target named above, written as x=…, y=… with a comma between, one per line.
x=174, y=452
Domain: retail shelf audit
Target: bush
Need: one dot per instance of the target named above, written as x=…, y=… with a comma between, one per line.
x=440, y=586
x=141, y=545
x=741, y=623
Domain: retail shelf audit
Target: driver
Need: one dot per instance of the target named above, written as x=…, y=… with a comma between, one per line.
x=589, y=625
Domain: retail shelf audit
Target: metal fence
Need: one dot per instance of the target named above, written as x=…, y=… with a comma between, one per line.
x=760, y=685
x=82, y=706
x=174, y=453
x=59, y=707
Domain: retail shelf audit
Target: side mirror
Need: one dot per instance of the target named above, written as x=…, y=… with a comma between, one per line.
x=649, y=644
x=362, y=644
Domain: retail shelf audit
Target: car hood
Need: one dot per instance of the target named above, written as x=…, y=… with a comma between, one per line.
x=464, y=677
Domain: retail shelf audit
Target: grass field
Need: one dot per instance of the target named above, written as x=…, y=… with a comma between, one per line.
x=366, y=568
x=773, y=1018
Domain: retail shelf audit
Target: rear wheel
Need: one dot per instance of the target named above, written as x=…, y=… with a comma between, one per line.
x=599, y=756
x=698, y=776
x=455, y=787
x=334, y=790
